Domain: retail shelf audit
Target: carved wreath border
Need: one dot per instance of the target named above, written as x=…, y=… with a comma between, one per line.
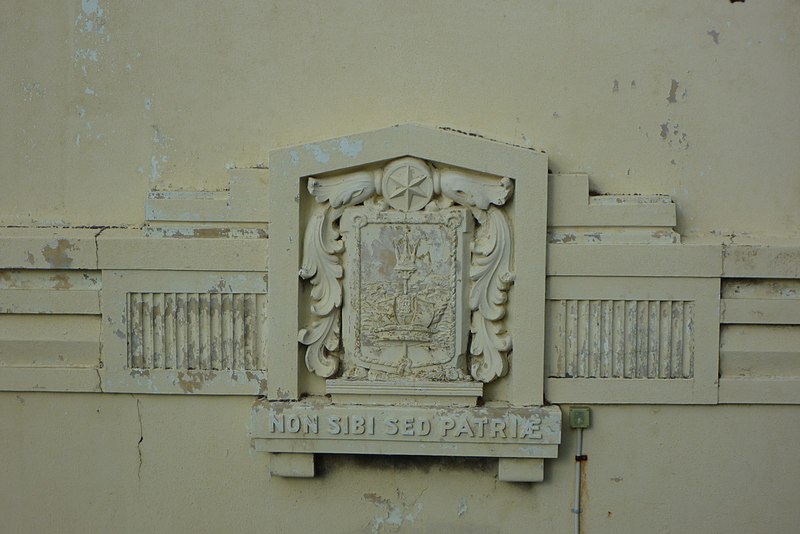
x=490, y=265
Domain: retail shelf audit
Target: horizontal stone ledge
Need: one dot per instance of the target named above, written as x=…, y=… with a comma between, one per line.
x=407, y=448
x=129, y=249
x=48, y=248
x=763, y=390
x=702, y=261
x=83, y=380
x=182, y=381
x=50, y=301
x=762, y=261
x=760, y=311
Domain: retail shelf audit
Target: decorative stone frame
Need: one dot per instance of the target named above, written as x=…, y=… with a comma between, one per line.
x=290, y=205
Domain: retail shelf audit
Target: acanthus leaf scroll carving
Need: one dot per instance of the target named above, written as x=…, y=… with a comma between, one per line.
x=321, y=266
x=420, y=190
x=344, y=190
x=492, y=278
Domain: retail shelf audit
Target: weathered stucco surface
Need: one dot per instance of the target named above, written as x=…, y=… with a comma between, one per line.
x=123, y=463
x=107, y=100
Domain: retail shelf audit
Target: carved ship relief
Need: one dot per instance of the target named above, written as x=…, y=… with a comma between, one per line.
x=409, y=266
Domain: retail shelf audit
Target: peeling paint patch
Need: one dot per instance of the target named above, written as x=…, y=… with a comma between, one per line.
x=351, y=148
x=92, y=18
x=155, y=169
x=161, y=145
x=672, y=91
x=86, y=53
x=55, y=254
x=295, y=157
x=262, y=383
x=462, y=506
x=60, y=281
x=675, y=138
x=391, y=514
x=90, y=7
x=714, y=35
x=615, y=87
x=562, y=238
x=320, y=155
x=33, y=89
x=194, y=381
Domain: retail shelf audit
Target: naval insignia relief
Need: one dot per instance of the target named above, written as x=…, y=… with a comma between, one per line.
x=408, y=266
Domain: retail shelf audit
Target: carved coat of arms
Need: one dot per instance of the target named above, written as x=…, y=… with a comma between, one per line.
x=409, y=265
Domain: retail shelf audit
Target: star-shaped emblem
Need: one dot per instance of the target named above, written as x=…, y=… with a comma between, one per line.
x=407, y=183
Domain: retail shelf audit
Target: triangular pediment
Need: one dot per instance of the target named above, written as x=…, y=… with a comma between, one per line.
x=433, y=144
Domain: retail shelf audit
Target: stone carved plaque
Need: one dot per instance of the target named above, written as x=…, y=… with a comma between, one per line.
x=394, y=261
x=405, y=315
x=412, y=253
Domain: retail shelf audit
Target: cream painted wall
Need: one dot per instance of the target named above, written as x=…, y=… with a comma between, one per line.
x=697, y=100
x=104, y=100
x=75, y=463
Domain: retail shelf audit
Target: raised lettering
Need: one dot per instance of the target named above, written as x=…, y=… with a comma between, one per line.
x=447, y=424
x=293, y=423
x=424, y=426
x=480, y=423
x=497, y=426
x=311, y=424
x=275, y=422
x=391, y=426
x=408, y=426
x=530, y=429
x=358, y=425
x=333, y=424
x=464, y=428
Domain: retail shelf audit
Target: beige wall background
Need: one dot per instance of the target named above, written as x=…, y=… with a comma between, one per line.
x=105, y=100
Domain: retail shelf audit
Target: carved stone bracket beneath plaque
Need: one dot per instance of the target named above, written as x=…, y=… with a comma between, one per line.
x=397, y=249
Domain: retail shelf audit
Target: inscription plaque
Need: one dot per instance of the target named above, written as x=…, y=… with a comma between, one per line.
x=519, y=432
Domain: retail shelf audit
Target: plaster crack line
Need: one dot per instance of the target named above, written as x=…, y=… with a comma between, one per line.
x=99, y=380
x=97, y=247
x=141, y=437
